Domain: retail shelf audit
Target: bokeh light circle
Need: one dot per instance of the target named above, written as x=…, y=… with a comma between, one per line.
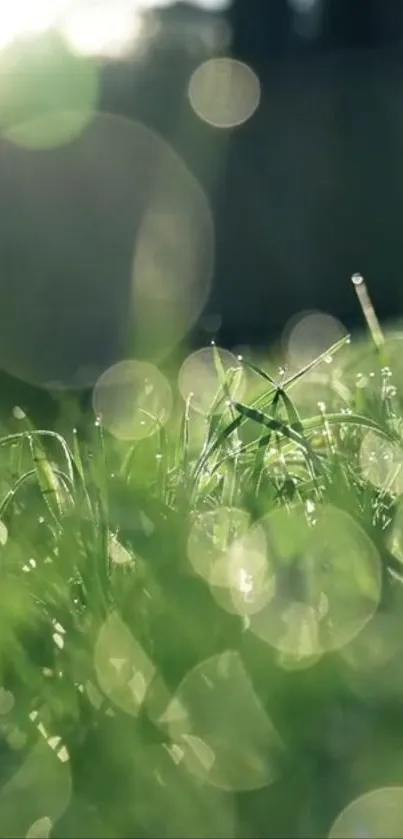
x=104, y=28
x=171, y=802
x=200, y=380
x=381, y=463
x=48, y=95
x=226, y=736
x=132, y=399
x=23, y=19
x=395, y=533
x=173, y=253
x=124, y=670
x=44, y=776
x=74, y=299
x=309, y=335
x=327, y=581
x=377, y=814
x=211, y=536
x=241, y=581
x=230, y=555
x=224, y=92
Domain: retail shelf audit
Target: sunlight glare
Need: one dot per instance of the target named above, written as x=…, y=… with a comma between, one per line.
x=104, y=28
x=27, y=18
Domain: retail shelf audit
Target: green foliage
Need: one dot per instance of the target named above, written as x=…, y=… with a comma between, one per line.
x=141, y=692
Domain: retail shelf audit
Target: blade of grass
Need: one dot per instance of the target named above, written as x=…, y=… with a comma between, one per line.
x=258, y=466
x=276, y=425
x=314, y=423
x=263, y=401
x=259, y=372
x=23, y=479
x=47, y=480
x=39, y=433
x=335, y=348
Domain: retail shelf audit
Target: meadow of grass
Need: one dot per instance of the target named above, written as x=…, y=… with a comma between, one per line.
x=201, y=631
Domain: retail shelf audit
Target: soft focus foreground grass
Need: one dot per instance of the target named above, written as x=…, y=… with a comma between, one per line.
x=146, y=692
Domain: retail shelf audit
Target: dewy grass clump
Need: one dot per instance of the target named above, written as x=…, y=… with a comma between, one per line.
x=201, y=617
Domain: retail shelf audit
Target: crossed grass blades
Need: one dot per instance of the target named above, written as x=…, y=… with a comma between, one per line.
x=95, y=576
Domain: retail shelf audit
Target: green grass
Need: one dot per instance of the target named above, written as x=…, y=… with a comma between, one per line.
x=162, y=673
